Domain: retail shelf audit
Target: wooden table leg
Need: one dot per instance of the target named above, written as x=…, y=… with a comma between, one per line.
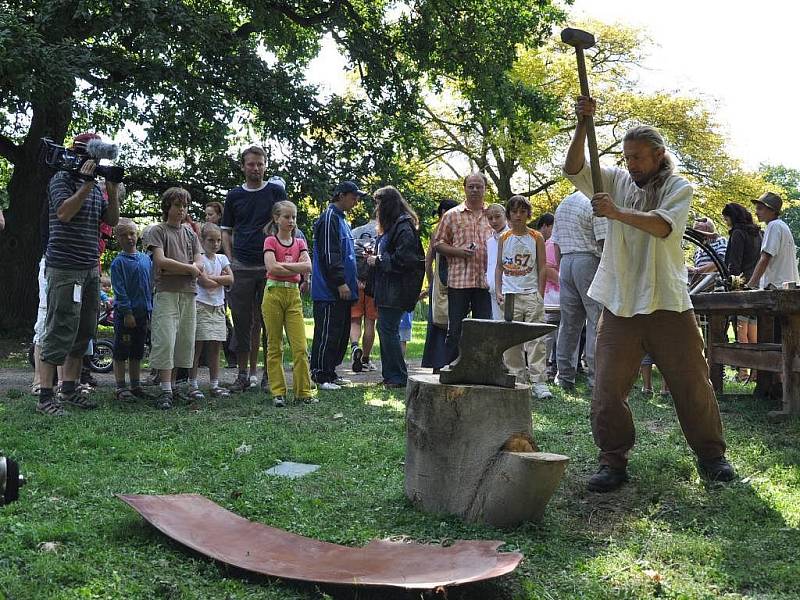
x=790, y=345
x=766, y=334
x=716, y=335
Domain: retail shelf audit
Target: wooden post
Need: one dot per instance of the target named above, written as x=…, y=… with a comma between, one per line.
x=766, y=334
x=716, y=334
x=790, y=346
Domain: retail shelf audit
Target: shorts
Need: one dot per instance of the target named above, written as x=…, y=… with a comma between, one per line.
x=210, y=323
x=405, y=335
x=129, y=341
x=69, y=325
x=173, y=325
x=364, y=307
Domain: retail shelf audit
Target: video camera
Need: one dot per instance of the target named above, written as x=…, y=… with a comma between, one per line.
x=63, y=159
x=10, y=480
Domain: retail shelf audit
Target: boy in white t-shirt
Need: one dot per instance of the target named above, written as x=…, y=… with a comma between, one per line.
x=496, y=215
x=521, y=271
x=778, y=261
x=211, y=330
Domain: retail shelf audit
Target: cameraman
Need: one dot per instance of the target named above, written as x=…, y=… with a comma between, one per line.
x=76, y=208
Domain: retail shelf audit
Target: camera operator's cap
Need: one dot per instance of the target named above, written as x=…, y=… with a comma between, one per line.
x=80, y=141
x=770, y=200
x=348, y=187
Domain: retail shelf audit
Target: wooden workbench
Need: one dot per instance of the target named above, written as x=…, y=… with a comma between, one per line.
x=768, y=356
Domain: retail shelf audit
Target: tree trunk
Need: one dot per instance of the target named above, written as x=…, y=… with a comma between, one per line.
x=20, y=244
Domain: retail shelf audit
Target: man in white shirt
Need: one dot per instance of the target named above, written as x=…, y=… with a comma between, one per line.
x=641, y=283
x=778, y=261
x=579, y=237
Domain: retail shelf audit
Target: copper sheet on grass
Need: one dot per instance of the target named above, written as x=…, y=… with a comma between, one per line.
x=206, y=527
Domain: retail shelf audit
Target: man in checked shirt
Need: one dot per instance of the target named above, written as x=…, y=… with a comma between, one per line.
x=462, y=237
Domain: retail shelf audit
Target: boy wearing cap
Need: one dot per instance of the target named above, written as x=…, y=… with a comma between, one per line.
x=334, y=286
x=778, y=261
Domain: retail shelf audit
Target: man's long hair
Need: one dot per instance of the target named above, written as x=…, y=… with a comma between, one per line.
x=653, y=138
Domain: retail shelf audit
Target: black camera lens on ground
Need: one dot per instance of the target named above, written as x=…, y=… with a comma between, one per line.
x=10, y=480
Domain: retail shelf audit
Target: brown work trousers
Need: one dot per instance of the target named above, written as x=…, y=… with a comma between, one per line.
x=674, y=342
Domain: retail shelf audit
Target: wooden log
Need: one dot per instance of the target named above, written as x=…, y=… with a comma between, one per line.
x=716, y=335
x=455, y=462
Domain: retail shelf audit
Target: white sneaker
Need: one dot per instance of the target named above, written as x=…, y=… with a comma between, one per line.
x=253, y=381
x=369, y=366
x=341, y=381
x=329, y=385
x=541, y=391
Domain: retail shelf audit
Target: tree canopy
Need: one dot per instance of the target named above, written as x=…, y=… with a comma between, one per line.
x=190, y=79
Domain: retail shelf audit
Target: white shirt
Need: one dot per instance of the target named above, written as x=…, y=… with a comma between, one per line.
x=491, y=263
x=640, y=273
x=779, y=244
x=576, y=229
x=212, y=266
x=520, y=269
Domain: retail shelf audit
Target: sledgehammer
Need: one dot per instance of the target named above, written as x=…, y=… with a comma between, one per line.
x=580, y=39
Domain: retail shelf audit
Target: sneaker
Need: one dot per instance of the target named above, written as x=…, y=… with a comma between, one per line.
x=541, y=391
x=606, y=479
x=77, y=399
x=357, y=354
x=240, y=384
x=254, y=381
x=368, y=366
x=87, y=378
x=164, y=400
x=279, y=402
x=308, y=400
x=716, y=469
x=341, y=381
x=329, y=385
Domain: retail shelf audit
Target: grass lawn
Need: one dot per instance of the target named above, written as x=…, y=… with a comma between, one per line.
x=666, y=534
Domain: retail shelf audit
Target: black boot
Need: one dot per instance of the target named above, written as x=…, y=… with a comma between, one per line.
x=716, y=469
x=606, y=479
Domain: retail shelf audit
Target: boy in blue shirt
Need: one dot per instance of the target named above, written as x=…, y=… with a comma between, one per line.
x=133, y=295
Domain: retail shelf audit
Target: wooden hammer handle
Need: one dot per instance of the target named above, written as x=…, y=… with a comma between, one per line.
x=591, y=138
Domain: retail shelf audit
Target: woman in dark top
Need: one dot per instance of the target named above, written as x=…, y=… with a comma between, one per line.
x=434, y=356
x=744, y=250
x=399, y=270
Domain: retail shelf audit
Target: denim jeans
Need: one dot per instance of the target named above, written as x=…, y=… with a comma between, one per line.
x=393, y=365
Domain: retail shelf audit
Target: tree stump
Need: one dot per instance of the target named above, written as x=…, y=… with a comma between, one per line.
x=455, y=461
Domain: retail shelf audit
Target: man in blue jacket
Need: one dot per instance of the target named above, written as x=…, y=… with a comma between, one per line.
x=334, y=286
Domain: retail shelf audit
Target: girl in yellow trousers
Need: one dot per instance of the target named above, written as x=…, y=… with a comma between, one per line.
x=286, y=258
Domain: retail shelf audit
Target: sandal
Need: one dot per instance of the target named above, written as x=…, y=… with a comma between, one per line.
x=647, y=390
x=124, y=395
x=220, y=392
x=140, y=393
x=164, y=401
x=51, y=408
x=196, y=395
x=78, y=400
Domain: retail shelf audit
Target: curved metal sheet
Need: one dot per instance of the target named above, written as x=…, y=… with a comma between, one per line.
x=206, y=527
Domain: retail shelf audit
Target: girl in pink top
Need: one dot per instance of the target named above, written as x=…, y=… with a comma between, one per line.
x=286, y=258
